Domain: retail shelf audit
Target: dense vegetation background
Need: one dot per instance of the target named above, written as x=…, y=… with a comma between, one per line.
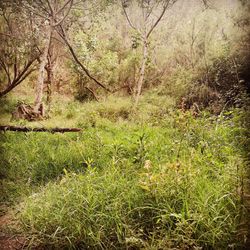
x=160, y=91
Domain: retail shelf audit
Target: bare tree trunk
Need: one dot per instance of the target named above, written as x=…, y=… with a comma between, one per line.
x=41, y=74
x=147, y=12
x=142, y=71
x=49, y=88
x=49, y=69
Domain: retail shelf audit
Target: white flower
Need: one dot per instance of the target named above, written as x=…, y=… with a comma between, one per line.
x=147, y=164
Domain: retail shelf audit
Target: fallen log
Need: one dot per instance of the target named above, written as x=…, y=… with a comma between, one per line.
x=29, y=129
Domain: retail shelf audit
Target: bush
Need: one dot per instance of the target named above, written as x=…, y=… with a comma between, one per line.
x=216, y=87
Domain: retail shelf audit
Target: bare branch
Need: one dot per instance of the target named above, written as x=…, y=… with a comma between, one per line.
x=127, y=16
x=25, y=76
x=63, y=7
x=159, y=18
x=150, y=10
x=24, y=70
x=15, y=68
x=62, y=34
x=5, y=70
x=16, y=81
x=62, y=19
x=50, y=7
x=93, y=93
x=34, y=6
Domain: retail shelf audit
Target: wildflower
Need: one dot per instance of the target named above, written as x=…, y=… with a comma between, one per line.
x=147, y=164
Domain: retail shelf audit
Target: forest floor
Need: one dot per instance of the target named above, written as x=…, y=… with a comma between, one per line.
x=152, y=178
x=8, y=239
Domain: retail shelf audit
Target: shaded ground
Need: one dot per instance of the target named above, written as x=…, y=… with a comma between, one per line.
x=8, y=239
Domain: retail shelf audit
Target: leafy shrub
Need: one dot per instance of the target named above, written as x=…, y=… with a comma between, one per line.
x=216, y=87
x=83, y=94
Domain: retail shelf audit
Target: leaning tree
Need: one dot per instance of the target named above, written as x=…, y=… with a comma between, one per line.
x=52, y=13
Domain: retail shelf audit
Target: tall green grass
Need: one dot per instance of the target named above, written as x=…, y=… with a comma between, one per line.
x=152, y=179
x=115, y=207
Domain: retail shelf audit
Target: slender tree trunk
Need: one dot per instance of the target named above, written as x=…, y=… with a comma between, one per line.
x=142, y=71
x=41, y=74
x=49, y=90
x=49, y=69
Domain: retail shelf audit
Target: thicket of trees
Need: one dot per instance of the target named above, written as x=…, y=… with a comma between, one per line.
x=194, y=50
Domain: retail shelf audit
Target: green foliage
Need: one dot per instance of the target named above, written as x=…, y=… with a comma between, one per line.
x=216, y=87
x=127, y=182
x=169, y=199
x=153, y=177
x=100, y=57
x=178, y=83
x=7, y=105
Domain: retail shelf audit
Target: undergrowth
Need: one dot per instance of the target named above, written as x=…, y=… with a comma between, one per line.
x=145, y=179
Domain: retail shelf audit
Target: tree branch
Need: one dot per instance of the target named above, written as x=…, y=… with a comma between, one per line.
x=5, y=70
x=93, y=93
x=62, y=8
x=159, y=18
x=62, y=19
x=15, y=82
x=127, y=17
x=62, y=34
x=50, y=7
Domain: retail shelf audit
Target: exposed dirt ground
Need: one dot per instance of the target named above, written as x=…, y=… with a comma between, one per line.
x=8, y=239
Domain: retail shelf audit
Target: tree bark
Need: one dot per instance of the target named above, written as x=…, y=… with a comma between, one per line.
x=41, y=74
x=142, y=71
x=28, y=129
x=49, y=69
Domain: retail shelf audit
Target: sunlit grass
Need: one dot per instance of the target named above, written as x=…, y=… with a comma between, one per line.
x=151, y=178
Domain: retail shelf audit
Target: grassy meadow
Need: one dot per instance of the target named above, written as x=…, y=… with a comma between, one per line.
x=150, y=178
x=160, y=91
